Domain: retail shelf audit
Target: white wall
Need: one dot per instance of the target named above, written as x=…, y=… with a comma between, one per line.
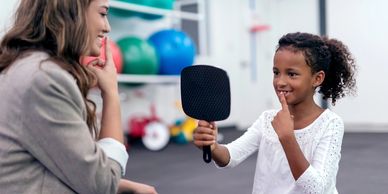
x=283, y=16
x=230, y=21
x=363, y=26
x=226, y=43
x=360, y=24
x=6, y=11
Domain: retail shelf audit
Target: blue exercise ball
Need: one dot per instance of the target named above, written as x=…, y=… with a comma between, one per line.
x=175, y=50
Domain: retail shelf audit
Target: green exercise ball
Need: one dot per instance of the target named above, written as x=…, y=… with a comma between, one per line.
x=139, y=56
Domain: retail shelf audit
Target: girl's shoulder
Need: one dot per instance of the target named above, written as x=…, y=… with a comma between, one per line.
x=265, y=117
x=269, y=114
x=327, y=123
x=328, y=117
x=263, y=123
x=332, y=115
x=327, y=120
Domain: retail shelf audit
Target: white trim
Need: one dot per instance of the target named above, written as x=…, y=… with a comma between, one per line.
x=157, y=11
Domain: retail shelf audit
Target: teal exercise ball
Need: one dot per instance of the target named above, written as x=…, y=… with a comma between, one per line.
x=123, y=12
x=161, y=4
x=139, y=56
x=175, y=49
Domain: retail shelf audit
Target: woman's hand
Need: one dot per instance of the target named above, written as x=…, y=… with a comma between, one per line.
x=105, y=71
x=127, y=186
x=107, y=82
x=205, y=134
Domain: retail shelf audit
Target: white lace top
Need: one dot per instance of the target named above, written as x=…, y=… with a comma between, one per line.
x=320, y=143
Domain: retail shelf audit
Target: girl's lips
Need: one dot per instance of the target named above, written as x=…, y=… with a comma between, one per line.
x=286, y=93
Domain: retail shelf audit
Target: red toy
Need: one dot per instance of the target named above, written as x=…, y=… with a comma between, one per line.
x=154, y=134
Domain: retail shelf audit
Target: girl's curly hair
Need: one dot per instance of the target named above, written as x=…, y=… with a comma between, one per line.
x=328, y=55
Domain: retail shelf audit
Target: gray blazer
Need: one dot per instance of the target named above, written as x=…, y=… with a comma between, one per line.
x=45, y=144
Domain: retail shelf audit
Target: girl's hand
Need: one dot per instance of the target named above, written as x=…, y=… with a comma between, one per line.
x=283, y=122
x=105, y=71
x=205, y=134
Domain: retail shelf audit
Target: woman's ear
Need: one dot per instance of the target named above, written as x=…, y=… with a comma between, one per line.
x=318, y=78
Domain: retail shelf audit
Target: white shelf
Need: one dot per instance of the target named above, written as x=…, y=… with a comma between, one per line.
x=151, y=79
x=155, y=11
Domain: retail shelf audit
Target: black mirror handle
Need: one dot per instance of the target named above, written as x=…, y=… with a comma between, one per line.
x=207, y=154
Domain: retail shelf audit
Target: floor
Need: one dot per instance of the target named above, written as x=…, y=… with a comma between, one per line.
x=179, y=169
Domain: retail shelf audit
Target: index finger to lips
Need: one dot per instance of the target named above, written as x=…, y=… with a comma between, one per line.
x=108, y=51
x=283, y=101
x=97, y=62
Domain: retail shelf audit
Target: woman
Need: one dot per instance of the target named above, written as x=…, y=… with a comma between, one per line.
x=49, y=139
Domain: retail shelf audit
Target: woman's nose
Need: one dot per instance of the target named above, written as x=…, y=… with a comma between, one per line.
x=107, y=27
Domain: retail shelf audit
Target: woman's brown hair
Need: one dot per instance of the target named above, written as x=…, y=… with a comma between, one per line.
x=59, y=28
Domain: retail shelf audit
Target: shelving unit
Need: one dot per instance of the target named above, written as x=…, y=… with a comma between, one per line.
x=177, y=15
x=161, y=91
x=156, y=11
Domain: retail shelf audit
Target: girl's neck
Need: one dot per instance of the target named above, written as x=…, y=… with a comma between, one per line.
x=305, y=114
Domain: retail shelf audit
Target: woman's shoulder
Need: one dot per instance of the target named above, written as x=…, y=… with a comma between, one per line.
x=36, y=62
x=28, y=61
x=33, y=72
x=35, y=68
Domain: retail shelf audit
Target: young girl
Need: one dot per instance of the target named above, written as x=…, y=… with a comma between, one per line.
x=299, y=145
x=49, y=142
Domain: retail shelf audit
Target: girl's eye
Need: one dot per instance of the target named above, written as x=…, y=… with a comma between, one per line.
x=275, y=72
x=292, y=74
x=103, y=14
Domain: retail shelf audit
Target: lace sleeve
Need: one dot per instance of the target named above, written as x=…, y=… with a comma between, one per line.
x=245, y=145
x=321, y=174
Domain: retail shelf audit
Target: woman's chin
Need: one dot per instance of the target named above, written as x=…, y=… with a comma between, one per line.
x=95, y=52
